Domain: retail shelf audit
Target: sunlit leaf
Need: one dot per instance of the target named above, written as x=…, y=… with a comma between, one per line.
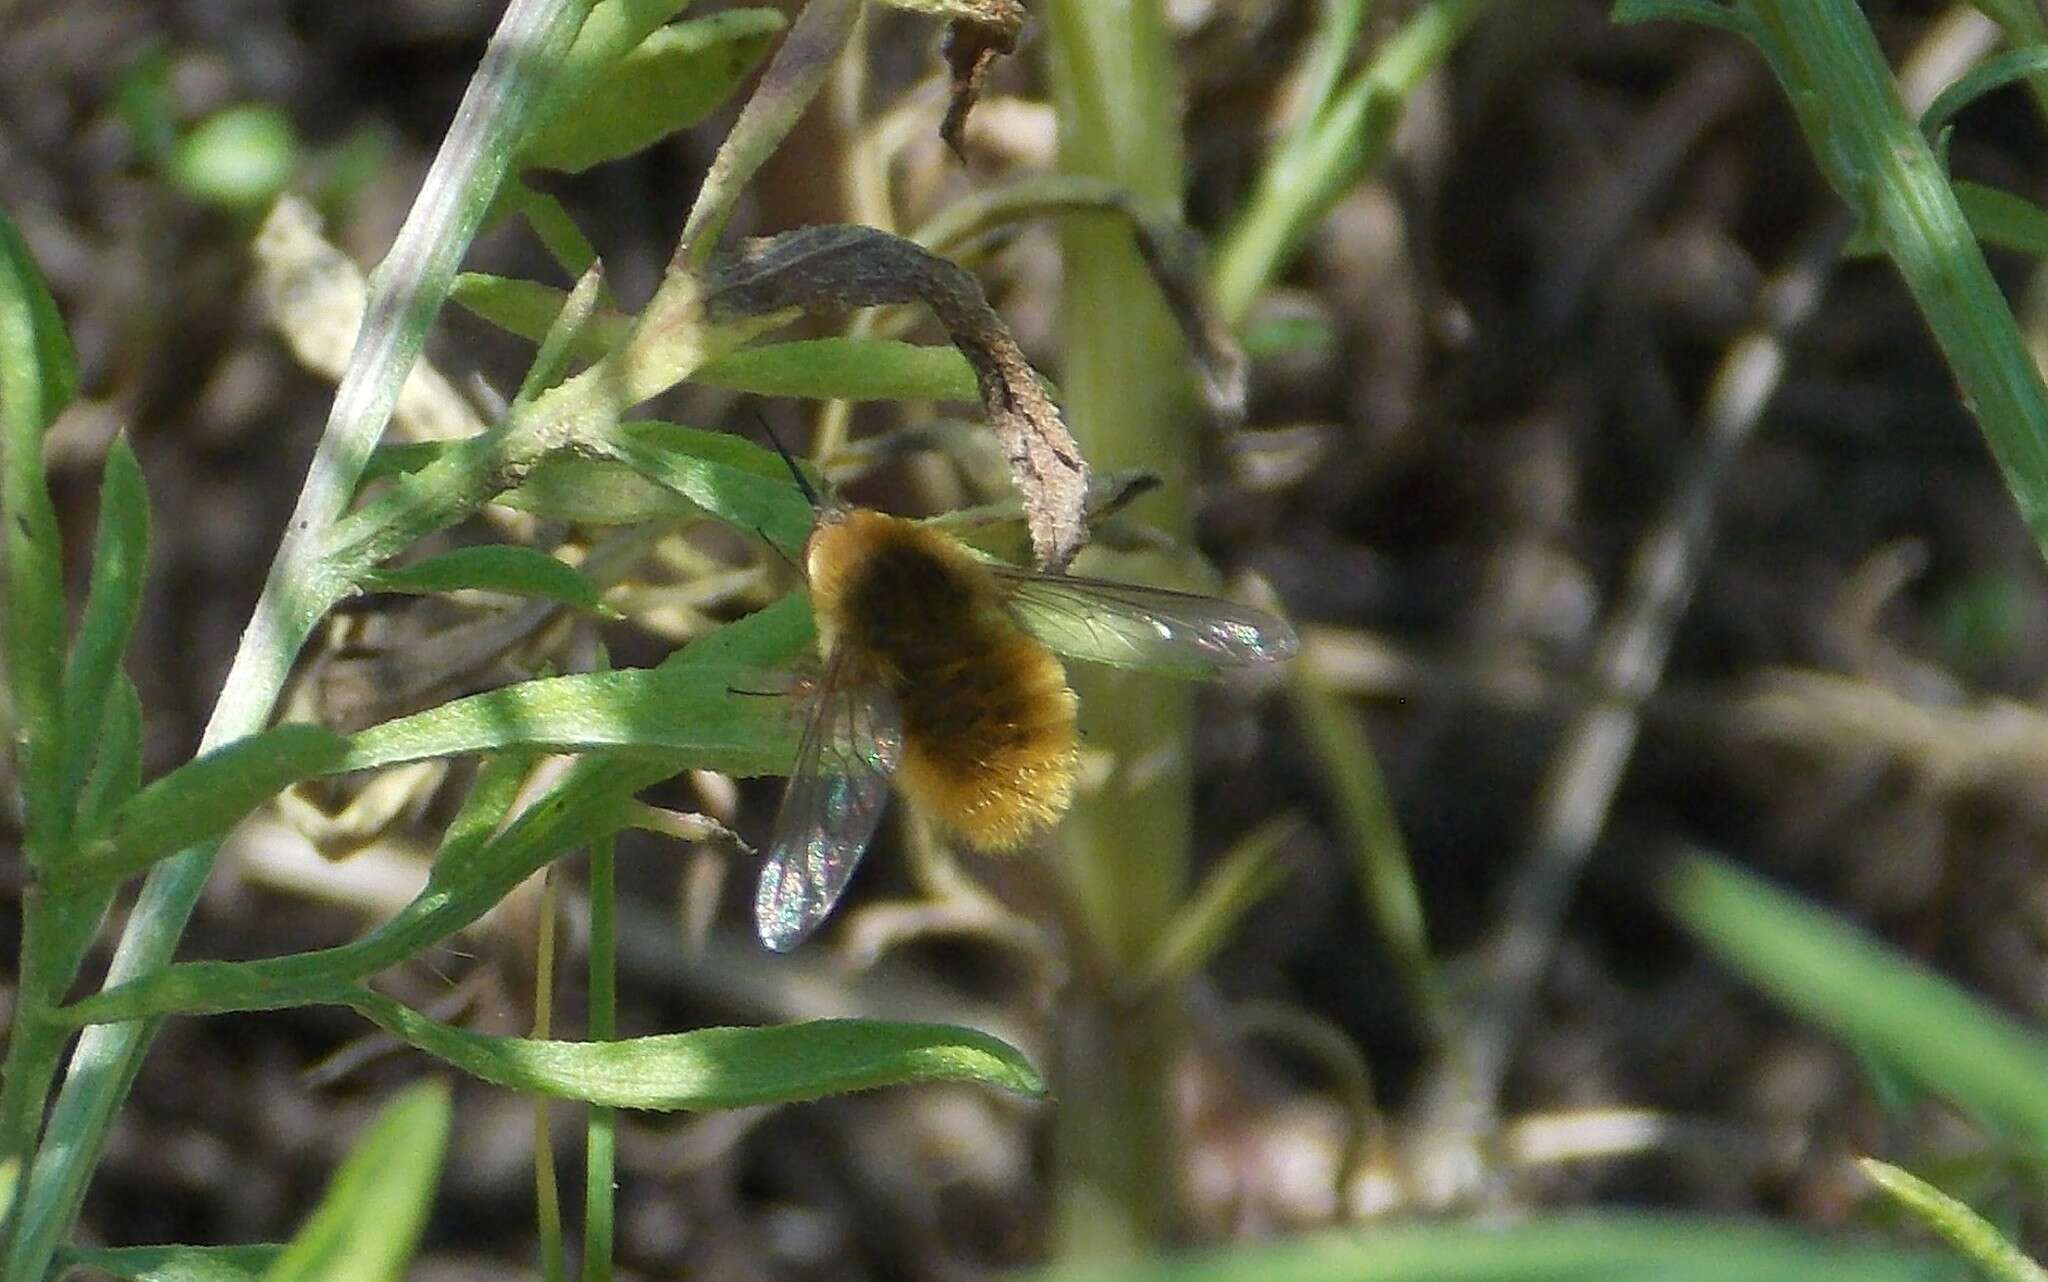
x=517, y=571
x=717, y=1068
x=177, y=1263
x=368, y=1223
x=206, y=797
x=669, y=81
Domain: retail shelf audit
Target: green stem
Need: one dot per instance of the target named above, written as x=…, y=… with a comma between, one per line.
x=1870, y=149
x=406, y=293
x=1124, y=849
x=599, y=1143
x=1311, y=171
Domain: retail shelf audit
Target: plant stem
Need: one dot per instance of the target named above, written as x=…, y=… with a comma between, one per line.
x=599, y=1176
x=406, y=292
x=1125, y=847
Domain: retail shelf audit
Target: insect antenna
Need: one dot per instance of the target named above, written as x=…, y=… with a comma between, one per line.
x=802, y=482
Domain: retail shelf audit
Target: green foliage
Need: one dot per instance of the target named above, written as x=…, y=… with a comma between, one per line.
x=92, y=669
x=176, y=1263
x=507, y=568
x=368, y=1224
x=671, y=80
x=1557, y=1249
x=1971, y=1236
x=1889, y=1007
x=239, y=158
x=718, y=1068
x=204, y=798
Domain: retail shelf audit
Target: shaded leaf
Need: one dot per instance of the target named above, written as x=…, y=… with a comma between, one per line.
x=717, y=1068
x=850, y=369
x=728, y=477
x=2007, y=68
x=1841, y=979
x=368, y=1223
x=38, y=374
x=177, y=1263
x=669, y=81
x=519, y=571
x=1565, y=1248
x=528, y=308
x=120, y=551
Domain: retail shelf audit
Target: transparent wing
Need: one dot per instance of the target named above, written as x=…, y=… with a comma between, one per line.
x=837, y=790
x=1126, y=625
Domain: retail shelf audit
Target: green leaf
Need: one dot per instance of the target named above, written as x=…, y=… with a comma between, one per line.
x=204, y=798
x=117, y=763
x=2002, y=219
x=1566, y=1248
x=671, y=80
x=1970, y=1234
x=368, y=1224
x=120, y=551
x=688, y=713
x=850, y=369
x=176, y=1263
x=730, y=478
x=518, y=571
x=1708, y=13
x=596, y=492
x=238, y=159
x=1842, y=980
x=717, y=1068
x=38, y=373
x=1247, y=873
x=2007, y=68
x=528, y=308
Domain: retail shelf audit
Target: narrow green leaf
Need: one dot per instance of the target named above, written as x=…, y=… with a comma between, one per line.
x=718, y=1068
x=1839, y=978
x=587, y=802
x=507, y=568
x=730, y=478
x=1708, y=13
x=120, y=551
x=2002, y=219
x=684, y=712
x=1564, y=1248
x=528, y=308
x=558, y=347
x=1970, y=1234
x=117, y=764
x=176, y=1263
x=2007, y=68
x=670, y=81
x=368, y=1224
x=483, y=812
x=596, y=492
x=1247, y=873
x=204, y=798
x=848, y=369
x=38, y=373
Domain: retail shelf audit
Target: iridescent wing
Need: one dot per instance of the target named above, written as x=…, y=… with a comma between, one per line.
x=837, y=790
x=1128, y=626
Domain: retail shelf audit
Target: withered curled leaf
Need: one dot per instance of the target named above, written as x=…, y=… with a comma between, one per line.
x=840, y=267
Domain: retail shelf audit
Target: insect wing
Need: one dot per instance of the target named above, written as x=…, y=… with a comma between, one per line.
x=837, y=791
x=1126, y=625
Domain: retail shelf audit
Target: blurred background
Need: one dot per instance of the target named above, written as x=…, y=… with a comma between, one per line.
x=1621, y=511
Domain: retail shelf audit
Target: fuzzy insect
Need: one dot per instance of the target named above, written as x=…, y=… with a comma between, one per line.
x=940, y=677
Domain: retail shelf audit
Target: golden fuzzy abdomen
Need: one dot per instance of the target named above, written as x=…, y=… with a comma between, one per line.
x=988, y=741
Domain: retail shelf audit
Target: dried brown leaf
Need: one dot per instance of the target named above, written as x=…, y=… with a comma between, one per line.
x=837, y=268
